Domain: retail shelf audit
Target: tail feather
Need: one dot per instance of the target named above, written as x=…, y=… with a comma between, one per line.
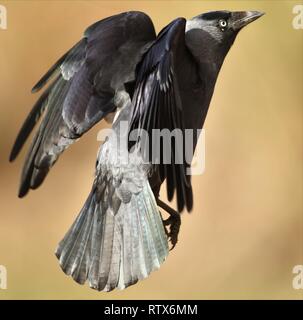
x=74, y=241
x=114, y=250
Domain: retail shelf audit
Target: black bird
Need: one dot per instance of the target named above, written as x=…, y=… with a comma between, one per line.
x=163, y=81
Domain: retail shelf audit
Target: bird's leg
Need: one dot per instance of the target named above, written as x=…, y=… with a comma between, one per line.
x=173, y=222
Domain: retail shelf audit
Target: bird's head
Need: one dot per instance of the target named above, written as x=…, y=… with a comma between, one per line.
x=210, y=35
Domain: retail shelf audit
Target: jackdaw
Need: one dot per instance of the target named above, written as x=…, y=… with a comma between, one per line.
x=149, y=81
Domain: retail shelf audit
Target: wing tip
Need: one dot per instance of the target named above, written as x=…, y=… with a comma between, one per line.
x=36, y=87
x=15, y=151
x=189, y=208
x=23, y=191
x=12, y=156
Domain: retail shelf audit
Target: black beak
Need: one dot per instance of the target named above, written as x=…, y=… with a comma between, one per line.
x=243, y=18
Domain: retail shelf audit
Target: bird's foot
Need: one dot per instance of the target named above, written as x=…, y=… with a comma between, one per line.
x=171, y=224
x=172, y=227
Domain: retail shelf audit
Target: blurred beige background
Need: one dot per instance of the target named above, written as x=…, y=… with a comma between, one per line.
x=245, y=234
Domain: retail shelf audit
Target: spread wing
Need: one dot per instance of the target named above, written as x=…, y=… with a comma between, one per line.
x=82, y=93
x=157, y=104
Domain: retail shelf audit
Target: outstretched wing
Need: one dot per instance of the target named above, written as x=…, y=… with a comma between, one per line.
x=157, y=104
x=82, y=93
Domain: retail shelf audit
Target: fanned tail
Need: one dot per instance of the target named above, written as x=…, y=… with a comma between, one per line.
x=114, y=250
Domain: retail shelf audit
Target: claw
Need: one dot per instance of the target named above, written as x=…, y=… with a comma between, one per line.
x=172, y=224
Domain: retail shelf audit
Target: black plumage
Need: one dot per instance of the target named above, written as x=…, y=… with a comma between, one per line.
x=153, y=82
x=83, y=94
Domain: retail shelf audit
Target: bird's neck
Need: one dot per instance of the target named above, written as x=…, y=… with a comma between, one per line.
x=210, y=63
x=207, y=52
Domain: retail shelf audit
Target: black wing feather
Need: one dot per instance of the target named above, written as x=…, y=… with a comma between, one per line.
x=68, y=61
x=31, y=121
x=83, y=92
x=157, y=105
